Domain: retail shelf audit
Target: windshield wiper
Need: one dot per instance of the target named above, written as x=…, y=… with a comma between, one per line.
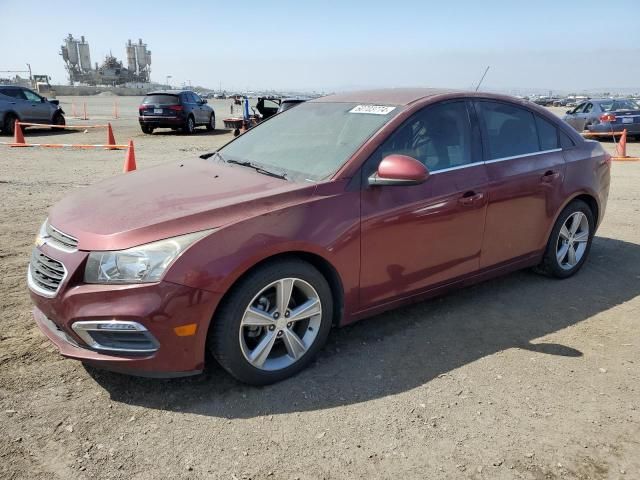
x=257, y=168
x=205, y=156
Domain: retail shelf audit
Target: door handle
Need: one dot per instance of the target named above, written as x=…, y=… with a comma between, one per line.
x=550, y=176
x=470, y=199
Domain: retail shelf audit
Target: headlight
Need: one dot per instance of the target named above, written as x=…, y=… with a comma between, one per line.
x=42, y=234
x=143, y=264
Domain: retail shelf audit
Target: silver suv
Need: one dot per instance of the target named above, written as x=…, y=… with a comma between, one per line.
x=25, y=105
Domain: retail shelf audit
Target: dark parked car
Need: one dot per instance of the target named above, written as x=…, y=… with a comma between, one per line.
x=344, y=207
x=290, y=102
x=23, y=104
x=605, y=115
x=175, y=109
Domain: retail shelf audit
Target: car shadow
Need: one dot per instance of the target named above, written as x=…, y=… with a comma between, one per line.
x=408, y=347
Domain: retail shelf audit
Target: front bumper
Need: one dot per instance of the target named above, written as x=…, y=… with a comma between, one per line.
x=159, y=307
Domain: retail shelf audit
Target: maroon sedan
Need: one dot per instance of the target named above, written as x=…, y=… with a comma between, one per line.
x=338, y=209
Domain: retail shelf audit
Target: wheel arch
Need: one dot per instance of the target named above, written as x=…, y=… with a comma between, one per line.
x=325, y=267
x=589, y=198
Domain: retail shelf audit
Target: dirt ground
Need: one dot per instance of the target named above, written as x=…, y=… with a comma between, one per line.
x=521, y=377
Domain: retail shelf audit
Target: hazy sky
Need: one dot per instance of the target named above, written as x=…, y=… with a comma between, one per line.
x=332, y=45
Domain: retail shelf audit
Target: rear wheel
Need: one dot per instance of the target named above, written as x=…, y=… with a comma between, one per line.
x=211, y=126
x=570, y=241
x=273, y=323
x=146, y=129
x=190, y=125
x=9, y=124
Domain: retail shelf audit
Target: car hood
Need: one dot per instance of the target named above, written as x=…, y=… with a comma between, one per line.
x=173, y=199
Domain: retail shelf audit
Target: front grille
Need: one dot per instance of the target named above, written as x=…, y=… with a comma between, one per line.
x=45, y=273
x=124, y=341
x=61, y=240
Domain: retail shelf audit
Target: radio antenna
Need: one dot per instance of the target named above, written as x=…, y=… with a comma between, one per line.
x=483, y=75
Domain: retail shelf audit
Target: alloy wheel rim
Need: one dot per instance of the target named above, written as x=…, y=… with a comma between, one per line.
x=191, y=124
x=572, y=240
x=280, y=324
x=212, y=121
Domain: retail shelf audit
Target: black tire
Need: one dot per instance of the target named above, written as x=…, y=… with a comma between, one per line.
x=211, y=126
x=189, y=125
x=550, y=265
x=224, y=334
x=58, y=119
x=146, y=129
x=9, y=124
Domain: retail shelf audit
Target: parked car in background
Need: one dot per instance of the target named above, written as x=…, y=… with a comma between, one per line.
x=176, y=109
x=290, y=102
x=605, y=115
x=23, y=104
x=344, y=207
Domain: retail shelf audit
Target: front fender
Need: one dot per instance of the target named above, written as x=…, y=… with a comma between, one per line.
x=216, y=262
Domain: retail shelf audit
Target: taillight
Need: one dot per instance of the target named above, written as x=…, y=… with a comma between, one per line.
x=141, y=108
x=176, y=108
x=608, y=117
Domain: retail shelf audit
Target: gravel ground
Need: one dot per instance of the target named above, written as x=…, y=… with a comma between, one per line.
x=520, y=377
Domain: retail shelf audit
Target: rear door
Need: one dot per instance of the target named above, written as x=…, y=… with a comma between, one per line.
x=416, y=237
x=526, y=170
x=202, y=116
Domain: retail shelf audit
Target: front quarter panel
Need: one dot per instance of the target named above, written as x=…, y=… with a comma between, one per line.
x=326, y=225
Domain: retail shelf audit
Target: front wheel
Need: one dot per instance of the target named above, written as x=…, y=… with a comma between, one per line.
x=273, y=323
x=570, y=241
x=58, y=119
x=211, y=126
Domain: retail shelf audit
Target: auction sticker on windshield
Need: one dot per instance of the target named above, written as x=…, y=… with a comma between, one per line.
x=373, y=109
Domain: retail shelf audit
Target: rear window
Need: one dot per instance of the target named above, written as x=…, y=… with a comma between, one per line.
x=161, y=100
x=616, y=105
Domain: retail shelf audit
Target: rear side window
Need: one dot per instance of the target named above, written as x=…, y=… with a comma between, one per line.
x=547, y=134
x=161, y=100
x=565, y=140
x=14, y=93
x=510, y=130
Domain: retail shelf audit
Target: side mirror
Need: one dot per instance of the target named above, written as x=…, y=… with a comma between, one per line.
x=569, y=112
x=204, y=101
x=399, y=170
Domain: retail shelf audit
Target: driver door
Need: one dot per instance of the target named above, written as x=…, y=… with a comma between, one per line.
x=417, y=237
x=39, y=110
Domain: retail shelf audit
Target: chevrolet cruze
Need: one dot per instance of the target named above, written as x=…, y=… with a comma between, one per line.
x=338, y=209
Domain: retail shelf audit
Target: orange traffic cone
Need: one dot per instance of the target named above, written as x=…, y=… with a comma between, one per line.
x=18, y=137
x=110, y=138
x=621, y=147
x=129, y=159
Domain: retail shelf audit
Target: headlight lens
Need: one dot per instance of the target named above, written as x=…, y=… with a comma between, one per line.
x=142, y=264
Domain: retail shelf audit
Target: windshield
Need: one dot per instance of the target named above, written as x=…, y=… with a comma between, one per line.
x=311, y=141
x=615, y=105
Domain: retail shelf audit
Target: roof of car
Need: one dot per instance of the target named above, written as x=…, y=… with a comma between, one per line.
x=387, y=96
x=168, y=92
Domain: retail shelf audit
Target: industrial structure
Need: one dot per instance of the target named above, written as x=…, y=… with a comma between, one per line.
x=77, y=58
